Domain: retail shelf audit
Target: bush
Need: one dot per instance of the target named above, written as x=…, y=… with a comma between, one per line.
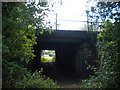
x=15, y=76
x=36, y=81
x=101, y=80
x=109, y=73
x=12, y=72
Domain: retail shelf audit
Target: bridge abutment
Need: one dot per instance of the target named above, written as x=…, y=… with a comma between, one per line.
x=75, y=51
x=85, y=59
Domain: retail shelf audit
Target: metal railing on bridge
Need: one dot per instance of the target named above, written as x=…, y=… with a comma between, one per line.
x=79, y=25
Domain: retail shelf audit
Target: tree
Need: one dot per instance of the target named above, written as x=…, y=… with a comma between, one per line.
x=103, y=11
x=19, y=22
x=109, y=47
x=19, y=29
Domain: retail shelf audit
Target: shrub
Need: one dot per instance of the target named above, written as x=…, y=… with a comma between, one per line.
x=101, y=80
x=16, y=76
x=109, y=74
x=36, y=81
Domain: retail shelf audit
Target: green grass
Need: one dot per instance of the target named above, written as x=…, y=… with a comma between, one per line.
x=45, y=59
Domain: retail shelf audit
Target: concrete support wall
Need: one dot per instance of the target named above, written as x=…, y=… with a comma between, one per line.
x=85, y=58
x=75, y=51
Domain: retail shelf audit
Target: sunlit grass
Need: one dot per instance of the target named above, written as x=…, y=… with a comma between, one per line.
x=47, y=58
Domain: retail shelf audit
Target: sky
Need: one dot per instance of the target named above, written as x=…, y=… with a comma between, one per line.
x=69, y=15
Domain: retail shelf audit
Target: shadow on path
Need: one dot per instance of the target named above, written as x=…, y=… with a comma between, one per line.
x=63, y=78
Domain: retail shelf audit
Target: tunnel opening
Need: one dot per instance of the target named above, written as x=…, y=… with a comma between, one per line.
x=59, y=68
x=48, y=60
x=48, y=56
x=71, y=56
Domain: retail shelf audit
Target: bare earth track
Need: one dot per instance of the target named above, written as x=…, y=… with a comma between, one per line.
x=63, y=78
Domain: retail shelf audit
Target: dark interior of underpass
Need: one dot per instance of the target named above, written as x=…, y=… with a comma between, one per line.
x=74, y=51
x=62, y=75
x=62, y=70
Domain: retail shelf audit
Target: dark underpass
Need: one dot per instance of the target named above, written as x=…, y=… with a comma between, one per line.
x=64, y=78
x=75, y=51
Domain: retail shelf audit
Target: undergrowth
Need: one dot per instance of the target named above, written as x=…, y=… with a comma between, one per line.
x=16, y=76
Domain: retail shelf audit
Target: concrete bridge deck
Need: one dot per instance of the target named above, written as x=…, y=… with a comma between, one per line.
x=66, y=36
x=75, y=50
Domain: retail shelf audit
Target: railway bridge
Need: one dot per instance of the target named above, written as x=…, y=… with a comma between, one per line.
x=75, y=50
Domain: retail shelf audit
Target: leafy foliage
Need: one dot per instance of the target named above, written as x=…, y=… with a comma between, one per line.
x=109, y=52
x=109, y=73
x=101, y=80
x=19, y=30
x=16, y=76
x=20, y=21
x=103, y=11
x=36, y=81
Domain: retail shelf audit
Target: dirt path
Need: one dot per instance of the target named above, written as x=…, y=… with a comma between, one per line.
x=68, y=82
x=63, y=78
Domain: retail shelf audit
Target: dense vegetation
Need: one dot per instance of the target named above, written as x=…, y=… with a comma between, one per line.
x=19, y=22
x=108, y=74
